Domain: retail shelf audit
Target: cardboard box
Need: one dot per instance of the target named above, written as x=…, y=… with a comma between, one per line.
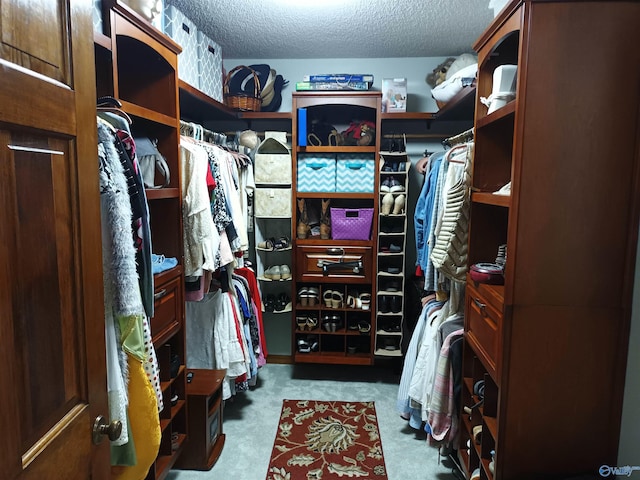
x=394, y=95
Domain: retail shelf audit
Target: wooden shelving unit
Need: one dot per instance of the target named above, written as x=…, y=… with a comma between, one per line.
x=352, y=339
x=550, y=344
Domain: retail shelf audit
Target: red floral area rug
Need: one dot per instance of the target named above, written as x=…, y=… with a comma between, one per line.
x=319, y=440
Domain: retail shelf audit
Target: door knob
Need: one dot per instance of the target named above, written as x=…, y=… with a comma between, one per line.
x=102, y=428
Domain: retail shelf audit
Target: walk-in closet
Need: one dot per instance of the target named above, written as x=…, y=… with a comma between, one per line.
x=287, y=241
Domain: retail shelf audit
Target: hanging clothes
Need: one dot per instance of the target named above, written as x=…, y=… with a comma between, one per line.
x=124, y=317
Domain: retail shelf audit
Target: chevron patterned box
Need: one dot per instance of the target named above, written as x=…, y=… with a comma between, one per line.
x=209, y=67
x=355, y=173
x=316, y=173
x=183, y=32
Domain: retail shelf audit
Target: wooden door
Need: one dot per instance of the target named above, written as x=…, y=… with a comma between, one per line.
x=52, y=367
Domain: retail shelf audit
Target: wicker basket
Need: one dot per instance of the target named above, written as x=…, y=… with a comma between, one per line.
x=242, y=101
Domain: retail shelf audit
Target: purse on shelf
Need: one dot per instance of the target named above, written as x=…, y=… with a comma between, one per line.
x=151, y=161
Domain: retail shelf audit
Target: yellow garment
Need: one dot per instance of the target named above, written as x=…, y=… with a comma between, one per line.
x=144, y=422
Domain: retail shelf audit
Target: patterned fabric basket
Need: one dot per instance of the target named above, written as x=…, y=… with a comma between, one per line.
x=351, y=223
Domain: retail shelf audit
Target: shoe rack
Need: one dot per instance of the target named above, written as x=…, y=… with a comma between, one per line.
x=273, y=223
x=393, y=174
x=334, y=282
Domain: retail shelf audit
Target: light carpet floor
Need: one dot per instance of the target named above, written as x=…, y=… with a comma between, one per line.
x=251, y=421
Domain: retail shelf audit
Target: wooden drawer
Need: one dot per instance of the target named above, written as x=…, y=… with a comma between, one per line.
x=168, y=304
x=483, y=324
x=311, y=259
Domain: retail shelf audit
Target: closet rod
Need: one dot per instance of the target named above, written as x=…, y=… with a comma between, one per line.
x=463, y=137
x=258, y=133
x=416, y=135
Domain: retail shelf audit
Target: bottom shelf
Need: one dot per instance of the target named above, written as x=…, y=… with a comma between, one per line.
x=334, y=358
x=164, y=462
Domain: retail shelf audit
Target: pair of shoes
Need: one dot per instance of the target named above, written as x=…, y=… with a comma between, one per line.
x=333, y=298
x=306, y=322
x=391, y=286
x=308, y=296
x=390, y=328
x=310, y=344
x=390, y=304
x=390, y=344
x=283, y=302
x=394, y=270
x=282, y=243
x=391, y=248
x=391, y=184
x=387, y=204
x=278, y=272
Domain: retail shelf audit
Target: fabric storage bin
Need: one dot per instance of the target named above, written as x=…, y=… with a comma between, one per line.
x=354, y=173
x=97, y=16
x=351, y=223
x=183, y=32
x=272, y=164
x=272, y=202
x=316, y=173
x=209, y=67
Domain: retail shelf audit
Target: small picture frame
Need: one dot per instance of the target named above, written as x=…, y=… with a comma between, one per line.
x=394, y=95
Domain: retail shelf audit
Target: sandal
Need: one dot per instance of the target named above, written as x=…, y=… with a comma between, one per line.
x=303, y=297
x=353, y=301
x=282, y=243
x=364, y=327
x=303, y=346
x=282, y=302
x=268, y=244
x=270, y=303
x=326, y=296
x=312, y=323
x=302, y=323
x=336, y=299
x=365, y=301
x=312, y=296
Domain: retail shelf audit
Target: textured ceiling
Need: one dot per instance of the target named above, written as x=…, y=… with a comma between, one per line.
x=339, y=28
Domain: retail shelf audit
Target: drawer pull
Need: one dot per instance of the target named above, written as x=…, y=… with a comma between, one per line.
x=159, y=294
x=480, y=305
x=335, y=251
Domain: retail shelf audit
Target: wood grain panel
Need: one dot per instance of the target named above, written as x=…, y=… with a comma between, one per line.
x=34, y=34
x=574, y=185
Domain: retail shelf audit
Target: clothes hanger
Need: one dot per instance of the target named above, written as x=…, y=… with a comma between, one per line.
x=117, y=111
x=111, y=104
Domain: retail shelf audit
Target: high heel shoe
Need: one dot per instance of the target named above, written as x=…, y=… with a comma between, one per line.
x=387, y=204
x=398, y=204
